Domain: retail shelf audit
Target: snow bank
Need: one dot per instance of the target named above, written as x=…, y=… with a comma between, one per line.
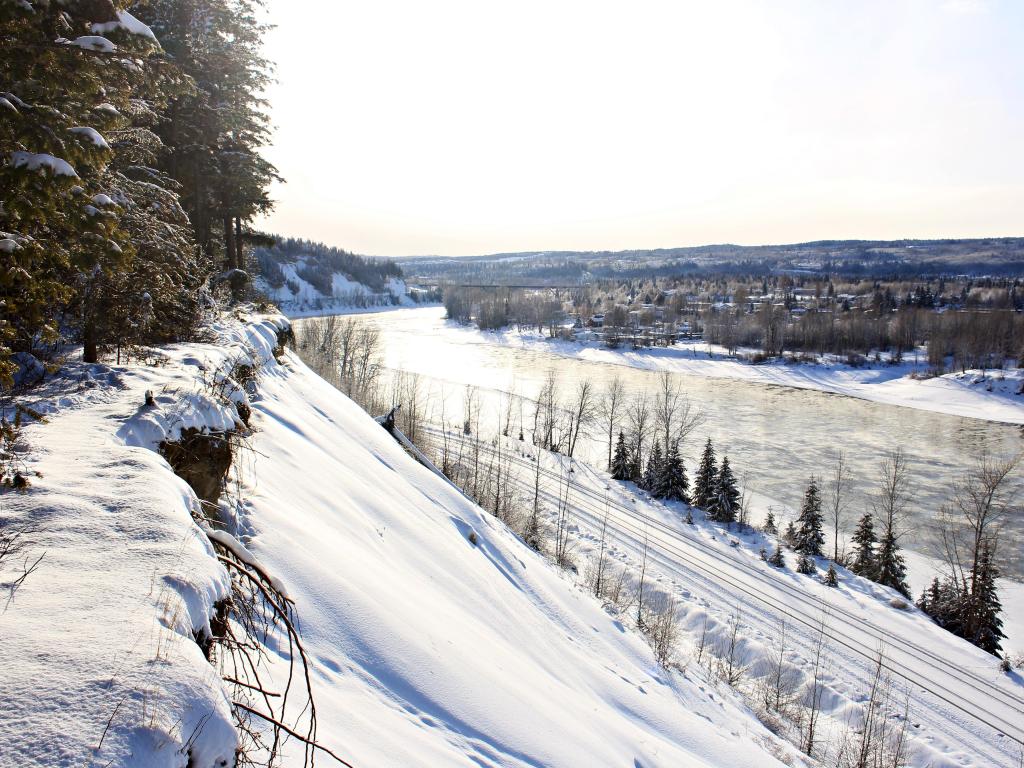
x=101, y=664
x=427, y=649
x=430, y=650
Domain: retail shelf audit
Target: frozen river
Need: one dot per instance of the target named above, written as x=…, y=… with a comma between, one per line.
x=775, y=436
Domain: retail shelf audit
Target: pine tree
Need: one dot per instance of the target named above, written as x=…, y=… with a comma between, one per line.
x=770, y=527
x=673, y=483
x=805, y=564
x=777, y=559
x=727, y=495
x=831, y=577
x=67, y=91
x=214, y=133
x=809, y=535
x=865, y=562
x=621, y=461
x=985, y=625
x=653, y=474
x=929, y=599
x=891, y=569
x=789, y=537
x=706, y=479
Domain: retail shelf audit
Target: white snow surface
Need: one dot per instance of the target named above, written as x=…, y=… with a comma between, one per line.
x=346, y=296
x=91, y=134
x=990, y=395
x=37, y=162
x=964, y=711
x=92, y=43
x=427, y=649
x=126, y=22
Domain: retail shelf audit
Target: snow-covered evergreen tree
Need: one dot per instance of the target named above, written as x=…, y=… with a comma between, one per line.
x=777, y=559
x=673, y=484
x=805, y=564
x=789, y=537
x=984, y=625
x=707, y=476
x=653, y=473
x=66, y=89
x=770, y=527
x=891, y=570
x=865, y=562
x=726, y=502
x=810, y=537
x=831, y=577
x=621, y=469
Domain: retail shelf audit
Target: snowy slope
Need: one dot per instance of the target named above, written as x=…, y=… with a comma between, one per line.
x=433, y=651
x=100, y=662
x=963, y=710
x=426, y=648
x=298, y=298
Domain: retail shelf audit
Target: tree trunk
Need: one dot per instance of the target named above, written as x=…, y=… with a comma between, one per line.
x=90, y=348
x=239, y=261
x=229, y=244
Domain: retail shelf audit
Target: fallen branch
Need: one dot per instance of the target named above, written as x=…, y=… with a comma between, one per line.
x=290, y=732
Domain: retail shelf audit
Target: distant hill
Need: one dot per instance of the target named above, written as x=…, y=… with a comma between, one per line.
x=985, y=256
x=306, y=277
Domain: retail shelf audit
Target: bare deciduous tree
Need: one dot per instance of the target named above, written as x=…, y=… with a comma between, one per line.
x=838, y=486
x=732, y=662
x=611, y=407
x=581, y=414
x=674, y=414
x=982, y=501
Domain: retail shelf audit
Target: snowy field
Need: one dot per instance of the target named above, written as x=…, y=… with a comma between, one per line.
x=427, y=648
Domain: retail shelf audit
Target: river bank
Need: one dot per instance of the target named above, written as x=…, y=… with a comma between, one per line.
x=987, y=395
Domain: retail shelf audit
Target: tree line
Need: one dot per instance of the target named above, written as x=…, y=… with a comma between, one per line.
x=320, y=262
x=130, y=168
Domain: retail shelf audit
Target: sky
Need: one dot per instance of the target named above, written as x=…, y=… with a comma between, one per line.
x=458, y=128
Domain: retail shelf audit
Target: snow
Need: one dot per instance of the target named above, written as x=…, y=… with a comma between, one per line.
x=92, y=135
x=346, y=295
x=948, y=680
x=426, y=648
x=126, y=22
x=8, y=245
x=92, y=43
x=102, y=200
x=34, y=162
x=990, y=395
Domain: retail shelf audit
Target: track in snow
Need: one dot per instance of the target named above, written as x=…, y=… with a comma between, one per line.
x=951, y=700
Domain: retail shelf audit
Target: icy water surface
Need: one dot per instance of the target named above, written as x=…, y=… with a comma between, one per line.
x=775, y=436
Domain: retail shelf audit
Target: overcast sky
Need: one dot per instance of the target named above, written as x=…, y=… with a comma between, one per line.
x=481, y=127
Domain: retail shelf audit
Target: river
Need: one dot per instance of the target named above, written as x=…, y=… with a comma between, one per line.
x=775, y=436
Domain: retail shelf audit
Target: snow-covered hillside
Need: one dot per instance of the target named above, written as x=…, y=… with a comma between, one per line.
x=962, y=709
x=434, y=635
x=299, y=298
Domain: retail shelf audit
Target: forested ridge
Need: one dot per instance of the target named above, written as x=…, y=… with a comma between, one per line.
x=130, y=169
x=320, y=263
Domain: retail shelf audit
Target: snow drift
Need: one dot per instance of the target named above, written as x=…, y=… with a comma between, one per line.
x=428, y=648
